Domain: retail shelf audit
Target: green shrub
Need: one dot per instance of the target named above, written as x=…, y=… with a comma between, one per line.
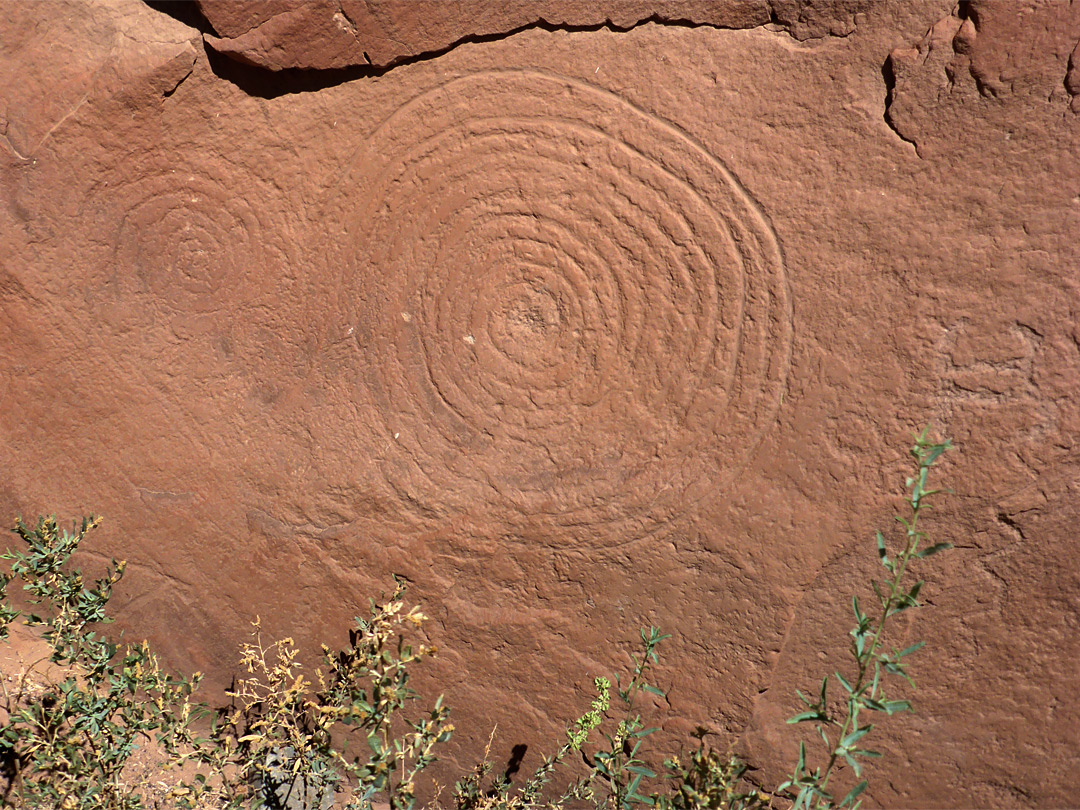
x=289, y=741
x=276, y=745
x=864, y=688
x=66, y=742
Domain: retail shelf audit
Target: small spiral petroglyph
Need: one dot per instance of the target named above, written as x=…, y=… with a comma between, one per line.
x=187, y=241
x=207, y=260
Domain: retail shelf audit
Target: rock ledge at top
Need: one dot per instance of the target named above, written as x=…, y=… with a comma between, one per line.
x=69, y=52
x=322, y=34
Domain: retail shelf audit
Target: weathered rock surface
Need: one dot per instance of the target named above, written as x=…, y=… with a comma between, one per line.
x=91, y=51
x=578, y=331
x=1010, y=53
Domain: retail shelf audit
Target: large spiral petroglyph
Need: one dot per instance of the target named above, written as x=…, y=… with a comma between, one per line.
x=570, y=314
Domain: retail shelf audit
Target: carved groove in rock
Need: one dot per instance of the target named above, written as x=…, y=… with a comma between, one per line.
x=569, y=314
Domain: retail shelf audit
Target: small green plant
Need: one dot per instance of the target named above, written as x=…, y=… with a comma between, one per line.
x=710, y=780
x=501, y=794
x=286, y=743
x=864, y=688
x=66, y=742
x=621, y=765
x=8, y=614
x=615, y=771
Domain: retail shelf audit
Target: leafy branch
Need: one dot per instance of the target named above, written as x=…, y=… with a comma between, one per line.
x=865, y=690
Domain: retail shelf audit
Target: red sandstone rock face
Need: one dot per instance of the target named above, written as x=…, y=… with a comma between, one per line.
x=1003, y=51
x=576, y=330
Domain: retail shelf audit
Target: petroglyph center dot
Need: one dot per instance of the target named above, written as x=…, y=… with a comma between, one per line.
x=530, y=315
x=527, y=320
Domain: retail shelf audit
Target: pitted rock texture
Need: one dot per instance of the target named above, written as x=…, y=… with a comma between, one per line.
x=95, y=52
x=1002, y=51
x=576, y=330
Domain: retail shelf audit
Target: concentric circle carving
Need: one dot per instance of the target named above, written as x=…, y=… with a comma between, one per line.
x=203, y=259
x=189, y=241
x=570, y=315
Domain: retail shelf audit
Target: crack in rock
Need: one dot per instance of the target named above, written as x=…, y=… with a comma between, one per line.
x=286, y=34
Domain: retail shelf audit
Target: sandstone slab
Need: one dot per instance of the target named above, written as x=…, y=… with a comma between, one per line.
x=578, y=331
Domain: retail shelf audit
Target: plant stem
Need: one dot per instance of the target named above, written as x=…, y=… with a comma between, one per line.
x=870, y=652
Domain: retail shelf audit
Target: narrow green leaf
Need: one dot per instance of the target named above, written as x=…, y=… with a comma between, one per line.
x=913, y=594
x=640, y=770
x=869, y=754
x=894, y=706
x=883, y=553
x=936, y=451
x=802, y=717
x=854, y=794
x=894, y=668
x=877, y=592
x=934, y=549
x=843, y=682
x=909, y=650
x=920, y=441
x=824, y=794
x=854, y=737
x=855, y=766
